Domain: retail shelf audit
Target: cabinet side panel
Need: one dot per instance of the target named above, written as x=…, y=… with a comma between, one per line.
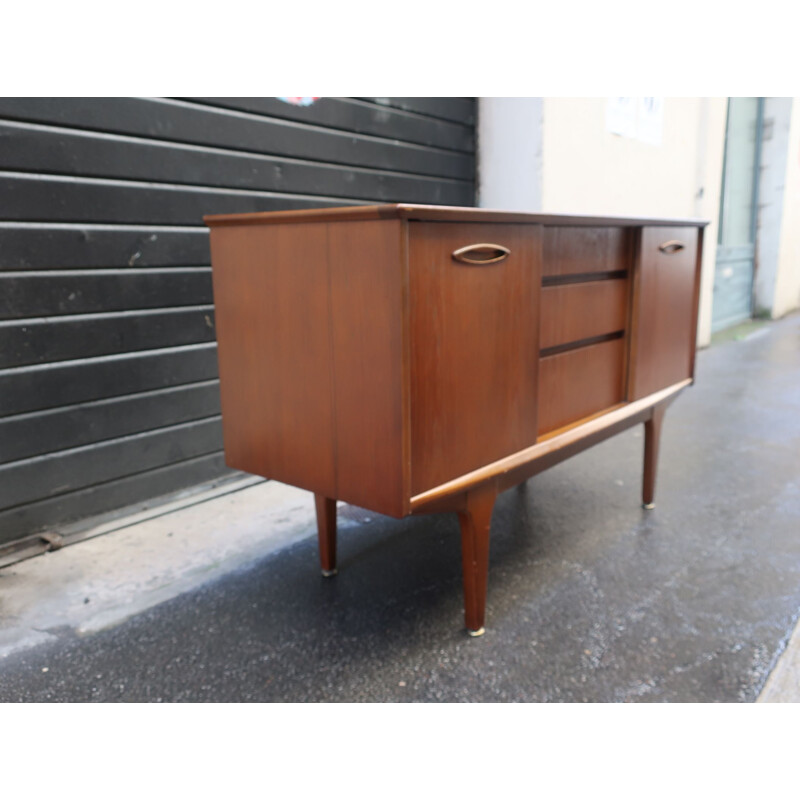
x=271, y=292
x=474, y=348
x=367, y=282
x=665, y=310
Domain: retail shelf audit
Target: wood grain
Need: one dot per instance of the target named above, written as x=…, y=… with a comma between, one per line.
x=665, y=312
x=431, y=384
x=701, y=233
x=547, y=452
x=474, y=348
x=326, y=532
x=311, y=357
x=578, y=251
x=652, y=438
x=367, y=296
x=475, y=521
x=560, y=224
x=581, y=311
x=580, y=383
x=272, y=295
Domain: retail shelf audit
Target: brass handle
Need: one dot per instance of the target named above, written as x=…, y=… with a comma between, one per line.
x=673, y=246
x=483, y=253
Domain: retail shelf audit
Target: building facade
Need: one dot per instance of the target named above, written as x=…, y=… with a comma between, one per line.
x=733, y=161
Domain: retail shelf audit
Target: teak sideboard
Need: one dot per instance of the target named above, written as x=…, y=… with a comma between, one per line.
x=414, y=359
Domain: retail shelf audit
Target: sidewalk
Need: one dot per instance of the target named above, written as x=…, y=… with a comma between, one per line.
x=590, y=598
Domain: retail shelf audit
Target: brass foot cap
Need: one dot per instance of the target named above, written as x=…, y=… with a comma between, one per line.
x=649, y=506
x=329, y=573
x=478, y=632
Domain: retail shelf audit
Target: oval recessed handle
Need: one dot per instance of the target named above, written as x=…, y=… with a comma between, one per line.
x=483, y=253
x=673, y=246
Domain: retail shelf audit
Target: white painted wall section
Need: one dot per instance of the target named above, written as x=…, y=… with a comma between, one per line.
x=710, y=160
x=772, y=182
x=787, y=283
x=510, y=153
x=588, y=169
x=558, y=155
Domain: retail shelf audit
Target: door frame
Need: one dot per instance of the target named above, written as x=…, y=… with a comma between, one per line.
x=754, y=193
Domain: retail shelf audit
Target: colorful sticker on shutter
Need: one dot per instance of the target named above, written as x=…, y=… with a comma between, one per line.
x=299, y=101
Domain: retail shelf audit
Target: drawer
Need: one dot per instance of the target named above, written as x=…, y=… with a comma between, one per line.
x=580, y=311
x=474, y=338
x=571, y=251
x=579, y=383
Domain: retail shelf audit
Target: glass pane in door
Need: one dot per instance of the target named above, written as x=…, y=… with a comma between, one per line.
x=733, y=274
x=736, y=223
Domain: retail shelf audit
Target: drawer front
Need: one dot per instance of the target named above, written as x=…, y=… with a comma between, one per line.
x=474, y=333
x=569, y=252
x=665, y=309
x=579, y=383
x=576, y=312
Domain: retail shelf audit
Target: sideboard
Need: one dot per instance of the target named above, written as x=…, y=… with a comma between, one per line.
x=414, y=359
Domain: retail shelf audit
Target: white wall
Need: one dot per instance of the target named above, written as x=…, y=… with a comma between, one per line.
x=772, y=180
x=510, y=153
x=787, y=283
x=556, y=155
x=587, y=169
x=710, y=162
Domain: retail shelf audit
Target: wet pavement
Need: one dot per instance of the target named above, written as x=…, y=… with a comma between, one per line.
x=590, y=598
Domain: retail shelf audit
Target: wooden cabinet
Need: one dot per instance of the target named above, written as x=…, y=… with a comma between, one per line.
x=412, y=359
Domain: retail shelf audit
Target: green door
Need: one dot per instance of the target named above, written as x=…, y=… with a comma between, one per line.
x=733, y=273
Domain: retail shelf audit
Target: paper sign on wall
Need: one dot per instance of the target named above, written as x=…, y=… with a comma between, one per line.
x=621, y=116
x=636, y=118
x=650, y=119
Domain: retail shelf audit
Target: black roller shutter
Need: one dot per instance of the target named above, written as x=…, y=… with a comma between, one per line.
x=108, y=389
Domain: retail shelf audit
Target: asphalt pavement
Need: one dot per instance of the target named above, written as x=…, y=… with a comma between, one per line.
x=591, y=598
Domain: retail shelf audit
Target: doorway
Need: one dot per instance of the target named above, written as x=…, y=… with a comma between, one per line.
x=736, y=246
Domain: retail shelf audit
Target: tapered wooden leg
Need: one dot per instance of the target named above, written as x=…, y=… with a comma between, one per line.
x=326, y=530
x=652, y=436
x=475, y=522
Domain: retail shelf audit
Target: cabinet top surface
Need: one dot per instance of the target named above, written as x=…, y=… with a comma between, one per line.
x=437, y=213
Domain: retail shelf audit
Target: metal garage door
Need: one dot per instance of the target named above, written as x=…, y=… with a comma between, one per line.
x=108, y=376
